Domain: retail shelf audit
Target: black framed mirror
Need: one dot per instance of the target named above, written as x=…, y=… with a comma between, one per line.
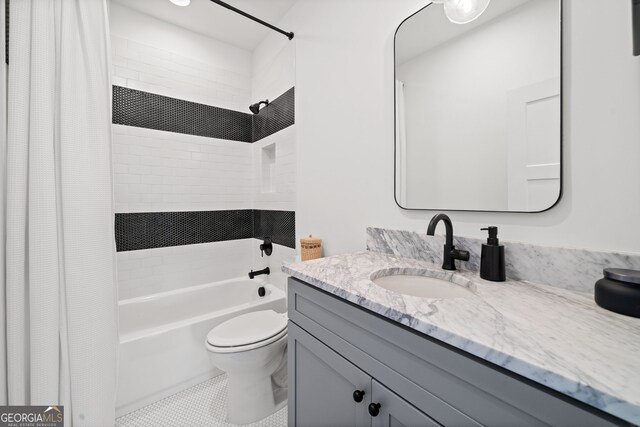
x=478, y=107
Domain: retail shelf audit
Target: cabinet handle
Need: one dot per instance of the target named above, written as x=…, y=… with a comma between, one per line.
x=358, y=395
x=374, y=409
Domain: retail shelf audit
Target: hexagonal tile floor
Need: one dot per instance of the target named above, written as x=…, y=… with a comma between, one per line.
x=203, y=405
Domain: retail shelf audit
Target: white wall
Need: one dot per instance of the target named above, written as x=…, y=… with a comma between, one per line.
x=344, y=82
x=456, y=105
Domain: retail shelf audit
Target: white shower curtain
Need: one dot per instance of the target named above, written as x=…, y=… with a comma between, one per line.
x=3, y=163
x=60, y=306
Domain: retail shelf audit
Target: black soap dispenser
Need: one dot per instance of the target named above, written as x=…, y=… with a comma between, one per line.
x=492, y=257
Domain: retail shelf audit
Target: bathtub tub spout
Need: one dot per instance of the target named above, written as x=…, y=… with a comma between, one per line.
x=253, y=274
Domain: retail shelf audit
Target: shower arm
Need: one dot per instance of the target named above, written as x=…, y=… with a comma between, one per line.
x=253, y=18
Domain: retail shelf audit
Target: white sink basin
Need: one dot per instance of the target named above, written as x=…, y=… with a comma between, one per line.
x=420, y=284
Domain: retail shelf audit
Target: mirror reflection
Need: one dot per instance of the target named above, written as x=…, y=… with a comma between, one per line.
x=478, y=108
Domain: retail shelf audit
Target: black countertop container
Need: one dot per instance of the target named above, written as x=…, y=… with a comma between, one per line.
x=492, y=265
x=619, y=291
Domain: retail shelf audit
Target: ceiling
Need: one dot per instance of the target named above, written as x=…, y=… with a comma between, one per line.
x=210, y=19
x=430, y=28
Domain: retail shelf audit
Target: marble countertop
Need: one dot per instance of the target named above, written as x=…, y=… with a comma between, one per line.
x=556, y=337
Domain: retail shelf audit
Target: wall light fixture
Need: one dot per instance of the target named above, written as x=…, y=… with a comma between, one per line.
x=463, y=11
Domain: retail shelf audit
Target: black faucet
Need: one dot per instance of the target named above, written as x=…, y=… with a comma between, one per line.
x=253, y=274
x=450, y=252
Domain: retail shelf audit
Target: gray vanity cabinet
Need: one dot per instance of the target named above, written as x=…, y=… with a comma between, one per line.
x=395, y=411
x=326, y=382
x=331, y=391
x=337, y=348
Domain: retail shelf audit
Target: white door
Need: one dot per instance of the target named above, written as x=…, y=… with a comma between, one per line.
x=534, y=146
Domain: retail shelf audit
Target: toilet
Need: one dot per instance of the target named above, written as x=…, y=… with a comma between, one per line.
x=251, y=349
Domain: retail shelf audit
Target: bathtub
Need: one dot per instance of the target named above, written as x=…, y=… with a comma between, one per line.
x=162, y=336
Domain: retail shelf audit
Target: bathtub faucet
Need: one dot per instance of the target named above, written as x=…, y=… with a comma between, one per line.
x=253, y=274
x=266, y=247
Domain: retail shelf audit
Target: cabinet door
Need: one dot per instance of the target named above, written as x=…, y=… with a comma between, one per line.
x=393, y=411
x=322, y=385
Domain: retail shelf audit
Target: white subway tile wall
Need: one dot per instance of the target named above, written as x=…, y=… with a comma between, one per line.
x=284, y=195
x=273, y=63
x=147, y=68
x=156, y=171
x=273, y=74
x=279, y=256
x=151, y=271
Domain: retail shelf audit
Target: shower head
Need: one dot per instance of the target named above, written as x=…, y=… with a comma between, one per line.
x=255, y=108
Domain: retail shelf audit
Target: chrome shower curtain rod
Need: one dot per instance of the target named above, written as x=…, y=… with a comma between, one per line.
x=253, y=18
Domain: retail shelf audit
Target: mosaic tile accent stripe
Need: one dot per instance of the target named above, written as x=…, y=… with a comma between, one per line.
x=132, y=107
x=279, y=225
x=148, y=230
x=147, y=110
x=278, y=115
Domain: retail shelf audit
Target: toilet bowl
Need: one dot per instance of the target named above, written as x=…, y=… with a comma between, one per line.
x=251, y=349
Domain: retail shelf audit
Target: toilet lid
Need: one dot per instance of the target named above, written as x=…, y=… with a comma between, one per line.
x=247, y=329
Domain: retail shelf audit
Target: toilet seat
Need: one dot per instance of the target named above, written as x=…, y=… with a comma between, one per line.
x=247, y=331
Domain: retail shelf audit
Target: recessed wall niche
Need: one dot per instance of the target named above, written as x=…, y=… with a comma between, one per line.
x=268, y=154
